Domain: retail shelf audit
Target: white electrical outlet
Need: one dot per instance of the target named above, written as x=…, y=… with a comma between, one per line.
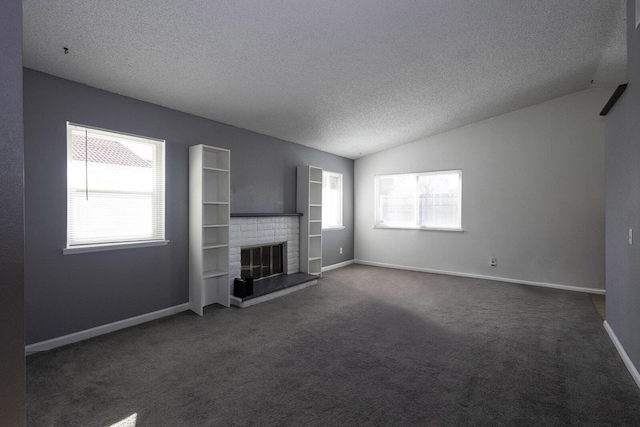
x=340, y=251
x=494, y=262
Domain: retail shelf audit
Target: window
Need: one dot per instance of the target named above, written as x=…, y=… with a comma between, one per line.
x=426, y=200
x=115, y=189
x=331, y=200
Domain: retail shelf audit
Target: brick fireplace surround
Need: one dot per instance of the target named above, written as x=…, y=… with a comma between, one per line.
x=262, y=230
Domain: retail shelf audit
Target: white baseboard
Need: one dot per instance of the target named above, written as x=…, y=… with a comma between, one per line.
x=338, y=265
x=478, y=276
x=623, y=354
x=103, y=329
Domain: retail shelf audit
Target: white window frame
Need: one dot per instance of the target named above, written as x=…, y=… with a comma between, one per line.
x=157, y=236
x=416, y=226
x=340, y=225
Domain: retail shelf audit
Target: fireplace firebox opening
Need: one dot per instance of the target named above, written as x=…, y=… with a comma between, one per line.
x=262, y=261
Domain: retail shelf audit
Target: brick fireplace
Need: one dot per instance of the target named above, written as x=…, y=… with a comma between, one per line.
x=252, y=231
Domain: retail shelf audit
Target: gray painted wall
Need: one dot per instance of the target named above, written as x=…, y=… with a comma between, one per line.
x=533, y=196
x=623, y=203
x=70, y=293
x=12, y=362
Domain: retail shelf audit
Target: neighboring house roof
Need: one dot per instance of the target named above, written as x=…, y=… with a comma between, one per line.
x=99, y=150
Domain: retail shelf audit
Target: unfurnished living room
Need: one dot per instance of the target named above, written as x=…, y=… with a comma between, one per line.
x=284, y=213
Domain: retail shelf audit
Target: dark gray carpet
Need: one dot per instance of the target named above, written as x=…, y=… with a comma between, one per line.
x=366, y=346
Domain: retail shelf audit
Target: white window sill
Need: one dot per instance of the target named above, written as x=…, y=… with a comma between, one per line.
x=112, y=247
x=333, y=228
x=388, y=227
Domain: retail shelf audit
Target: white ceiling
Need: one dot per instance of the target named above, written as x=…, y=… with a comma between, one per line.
x=347, y=77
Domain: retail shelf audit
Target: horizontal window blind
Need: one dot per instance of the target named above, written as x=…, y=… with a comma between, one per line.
x=115, y=187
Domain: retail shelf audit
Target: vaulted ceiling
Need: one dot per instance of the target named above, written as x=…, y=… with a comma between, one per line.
x=347, y=77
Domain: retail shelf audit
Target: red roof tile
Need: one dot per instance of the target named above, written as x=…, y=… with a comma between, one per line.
x=101, y=150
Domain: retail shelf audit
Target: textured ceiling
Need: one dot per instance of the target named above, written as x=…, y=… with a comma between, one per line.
x=347, y=77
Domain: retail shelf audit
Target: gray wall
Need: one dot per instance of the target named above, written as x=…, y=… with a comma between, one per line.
x=532, y=196
x=70, y=293
x=12, y=364
x=623, y=203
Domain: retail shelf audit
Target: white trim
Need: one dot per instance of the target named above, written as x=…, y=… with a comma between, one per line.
x=479, y=276
x=114, y=133
x=112, y=246
x=623, y=354
x=104, y=329
x=338, y=265
x=391, y=227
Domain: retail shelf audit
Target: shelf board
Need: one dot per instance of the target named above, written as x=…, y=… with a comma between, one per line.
x=314, y=258
x=215, y=246
x=215, y=150
x=315, y=235
x=315, y=204
x=213, y=273
x=214, y=225
x=260, y=214
x=215, y=203
x=210, y=169
x=315, y=182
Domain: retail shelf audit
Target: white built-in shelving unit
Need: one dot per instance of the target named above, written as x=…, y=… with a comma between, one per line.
x=209, y=197
x=309, y=203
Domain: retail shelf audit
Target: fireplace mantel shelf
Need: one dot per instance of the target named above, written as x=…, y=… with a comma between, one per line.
x=254, y=215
